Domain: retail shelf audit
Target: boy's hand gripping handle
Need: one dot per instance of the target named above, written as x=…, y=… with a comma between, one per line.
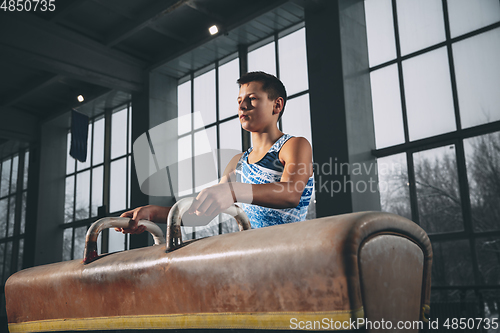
x=174, y=236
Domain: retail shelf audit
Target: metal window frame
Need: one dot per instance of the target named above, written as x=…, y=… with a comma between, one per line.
x=455, y=138
x=17, y=237
x=106, y=164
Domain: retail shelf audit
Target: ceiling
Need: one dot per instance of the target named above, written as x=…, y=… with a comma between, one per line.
x=102, y=49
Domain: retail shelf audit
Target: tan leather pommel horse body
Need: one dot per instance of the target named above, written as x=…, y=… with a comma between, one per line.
x=368, y=265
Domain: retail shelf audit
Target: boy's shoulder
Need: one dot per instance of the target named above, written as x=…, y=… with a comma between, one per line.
x=296, y=142
x=295, y=146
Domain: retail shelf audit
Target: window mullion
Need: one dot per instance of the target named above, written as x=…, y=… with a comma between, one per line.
x=17, y=212
x=193, y=235
x=277, y=64
x=91, y=168
x=107, y=175
x=451, y=63
x=400, y=71
x=217, y=128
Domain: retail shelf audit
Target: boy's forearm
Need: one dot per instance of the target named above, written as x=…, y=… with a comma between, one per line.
x=272, y=195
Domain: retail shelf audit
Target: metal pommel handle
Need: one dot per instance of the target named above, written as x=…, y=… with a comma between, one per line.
x=115, y=222
x=174, y=236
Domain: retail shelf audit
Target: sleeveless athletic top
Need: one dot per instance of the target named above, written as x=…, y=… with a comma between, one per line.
x=269, y=170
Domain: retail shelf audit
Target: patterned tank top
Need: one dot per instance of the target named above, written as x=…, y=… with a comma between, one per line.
x=269, y=170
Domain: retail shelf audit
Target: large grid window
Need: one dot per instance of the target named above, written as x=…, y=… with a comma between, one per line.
x=101, y=184
x=213, y=93
x=435, y=74
x=13, y=193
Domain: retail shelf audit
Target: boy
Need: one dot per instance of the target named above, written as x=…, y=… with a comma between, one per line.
x=273, y=179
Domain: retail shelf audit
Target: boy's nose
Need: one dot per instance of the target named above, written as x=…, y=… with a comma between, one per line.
x=243, y=105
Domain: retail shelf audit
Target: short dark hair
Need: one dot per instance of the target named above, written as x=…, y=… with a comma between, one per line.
x=270, y=84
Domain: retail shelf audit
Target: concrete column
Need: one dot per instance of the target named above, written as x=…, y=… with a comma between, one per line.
x=154, y=105
x=341, y=113
x=51, y=192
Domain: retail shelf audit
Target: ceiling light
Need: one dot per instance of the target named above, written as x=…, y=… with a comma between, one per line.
x=80, y=98
x=213, y=30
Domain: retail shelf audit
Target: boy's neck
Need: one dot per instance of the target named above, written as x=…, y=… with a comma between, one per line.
x=264, y=140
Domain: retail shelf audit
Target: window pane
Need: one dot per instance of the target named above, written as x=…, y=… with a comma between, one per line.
x=86, y=164
x=211, y=229
x=79, y=242
x=452, y=264
x=99, y=243
x=13, y=182
x=185, y=169
x=488, y=250
x=466, y=15
x=23, y=214
x=26, y=169
x=420, y=24
x=380, y=31
x=119, y=133
x=8, y=261
x=184, y=106
x=12, y=214
x=70, y=161
x=98, y=142
x=205, y=171
x=428, y=95
x=3, y=218
x=263, y=59
x=4, y=183
x=204, y=98
x=67, y=237
x=478, y=77
x=69, y=199
x=230, y=135
x=293, y=62
x=491, y=300
x=482, y=155
x=205, y=141
x=296, y=119
x=82, y=195
x=97, y=186
x=20, y=255
x=439, y=203
x=116, y=241
x=229, y=224
x=386, y=101
x=228, y=89
x=393, y=185
x=118, y=190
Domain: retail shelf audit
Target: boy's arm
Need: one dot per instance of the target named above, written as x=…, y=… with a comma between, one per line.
x=230, y=169
x=296, y=155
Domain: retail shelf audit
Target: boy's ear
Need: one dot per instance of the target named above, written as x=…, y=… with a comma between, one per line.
x=278, y=105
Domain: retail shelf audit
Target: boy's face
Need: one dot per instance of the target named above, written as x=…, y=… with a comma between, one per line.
x=256, y=111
